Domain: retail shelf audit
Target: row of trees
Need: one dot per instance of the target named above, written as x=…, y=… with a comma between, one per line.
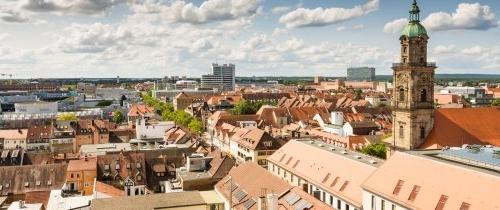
x=166, y=110
x=250, y=107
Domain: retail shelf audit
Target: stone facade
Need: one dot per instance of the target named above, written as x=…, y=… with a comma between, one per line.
x=413, y=98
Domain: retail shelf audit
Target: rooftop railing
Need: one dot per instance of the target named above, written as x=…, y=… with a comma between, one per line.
x=428, y=64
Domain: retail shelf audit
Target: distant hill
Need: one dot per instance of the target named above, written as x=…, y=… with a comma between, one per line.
x=476, y=77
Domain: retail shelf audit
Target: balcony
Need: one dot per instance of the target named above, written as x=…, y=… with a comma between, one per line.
x=428, y=64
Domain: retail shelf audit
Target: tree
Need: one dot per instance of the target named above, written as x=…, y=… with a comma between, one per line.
x=67, y=117
x=358, y=94
x=182, y=118
x=118, y=117
x=250, y=107
x=104, y=103
x=377, y=150
x=196, y=126
x=495, y=102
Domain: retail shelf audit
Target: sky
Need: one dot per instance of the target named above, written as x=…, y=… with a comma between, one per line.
x=157, y=38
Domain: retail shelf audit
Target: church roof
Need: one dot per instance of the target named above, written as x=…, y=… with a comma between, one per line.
x=455, y=127
x=414, y=29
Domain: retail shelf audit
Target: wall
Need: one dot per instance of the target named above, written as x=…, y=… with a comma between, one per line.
x=324, y=196
x=389, y=205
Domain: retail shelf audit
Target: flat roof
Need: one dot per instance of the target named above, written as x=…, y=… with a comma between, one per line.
x=485, y=160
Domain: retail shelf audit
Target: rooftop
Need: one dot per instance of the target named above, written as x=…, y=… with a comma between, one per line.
x=158, y=201
x=419, y=181
x=325, y=165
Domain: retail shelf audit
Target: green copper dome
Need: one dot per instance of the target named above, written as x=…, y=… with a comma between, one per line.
x=414, y=29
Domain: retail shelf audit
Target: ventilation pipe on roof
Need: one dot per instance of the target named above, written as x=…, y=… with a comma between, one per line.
x=267, y=201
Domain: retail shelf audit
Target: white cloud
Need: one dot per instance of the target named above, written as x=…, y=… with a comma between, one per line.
x=280, y=9
x=473, y=50
x=13, y=16
x=279, y=31
x=70, y=6
x=443, y=49
x=303, y=17
x=395, y=26
x=212, y=10
x=466, y=17
x=353, y=28
x=3, y=37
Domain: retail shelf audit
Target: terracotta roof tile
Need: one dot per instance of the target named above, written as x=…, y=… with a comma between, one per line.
x=455, y=127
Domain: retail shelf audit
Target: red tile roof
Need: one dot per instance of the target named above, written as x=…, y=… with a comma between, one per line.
x=455, y=127
x=139, y=110
x=108, y=189
x=433, y=178
x=314, y=164
x=83, y=165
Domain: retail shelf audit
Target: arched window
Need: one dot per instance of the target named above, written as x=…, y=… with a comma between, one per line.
x=401, y=94
x=423, y=95
x=422, y=132
x=401, y=132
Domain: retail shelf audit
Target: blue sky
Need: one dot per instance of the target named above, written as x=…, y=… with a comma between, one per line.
x=155, y=38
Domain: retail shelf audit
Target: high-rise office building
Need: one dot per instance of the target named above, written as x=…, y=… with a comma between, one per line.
x=222, y=77
x=361, y=74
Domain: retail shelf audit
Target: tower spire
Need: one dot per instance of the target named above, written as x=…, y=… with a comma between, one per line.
x=414, y=12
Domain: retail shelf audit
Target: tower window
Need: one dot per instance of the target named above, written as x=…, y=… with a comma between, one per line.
x=404, y=49
x=402, y=94
x=401, y=132
x=422, y=132
x=423, y=95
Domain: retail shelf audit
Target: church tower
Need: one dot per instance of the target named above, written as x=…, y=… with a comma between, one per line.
x=413, y=96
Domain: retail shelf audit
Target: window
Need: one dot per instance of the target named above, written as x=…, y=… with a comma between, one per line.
x=139, y=178
x=423, y=95
x=441, y=202
x=346, y=206
x=422, y=132
x=373, y=202
x=331, y=200
x=402, y=94
x=382, y=204
x=77, y=175
x=405, y=49
x=401, y=132
x=339, y=204
x=398, y=187
x=393, y=207
x=414, y=193
x=72, y=175
x=324, y=196
x=464, y=206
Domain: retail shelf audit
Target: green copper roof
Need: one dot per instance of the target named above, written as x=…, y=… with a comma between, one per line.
x=414, y=29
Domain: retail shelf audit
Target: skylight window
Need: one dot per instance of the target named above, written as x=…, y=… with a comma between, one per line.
x=414, y=193
x=398, y=187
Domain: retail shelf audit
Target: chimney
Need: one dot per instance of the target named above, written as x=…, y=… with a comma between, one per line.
x=21, y=204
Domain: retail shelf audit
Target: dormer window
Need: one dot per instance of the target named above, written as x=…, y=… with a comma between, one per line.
x=138, y=165
x=106, y=167
x=117, y=166
x=128, y=165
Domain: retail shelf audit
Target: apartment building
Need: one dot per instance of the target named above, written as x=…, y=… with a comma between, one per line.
x=331, y=174
x=81, y=175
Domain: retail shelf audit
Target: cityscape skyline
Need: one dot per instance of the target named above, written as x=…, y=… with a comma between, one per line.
x=292, y=38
